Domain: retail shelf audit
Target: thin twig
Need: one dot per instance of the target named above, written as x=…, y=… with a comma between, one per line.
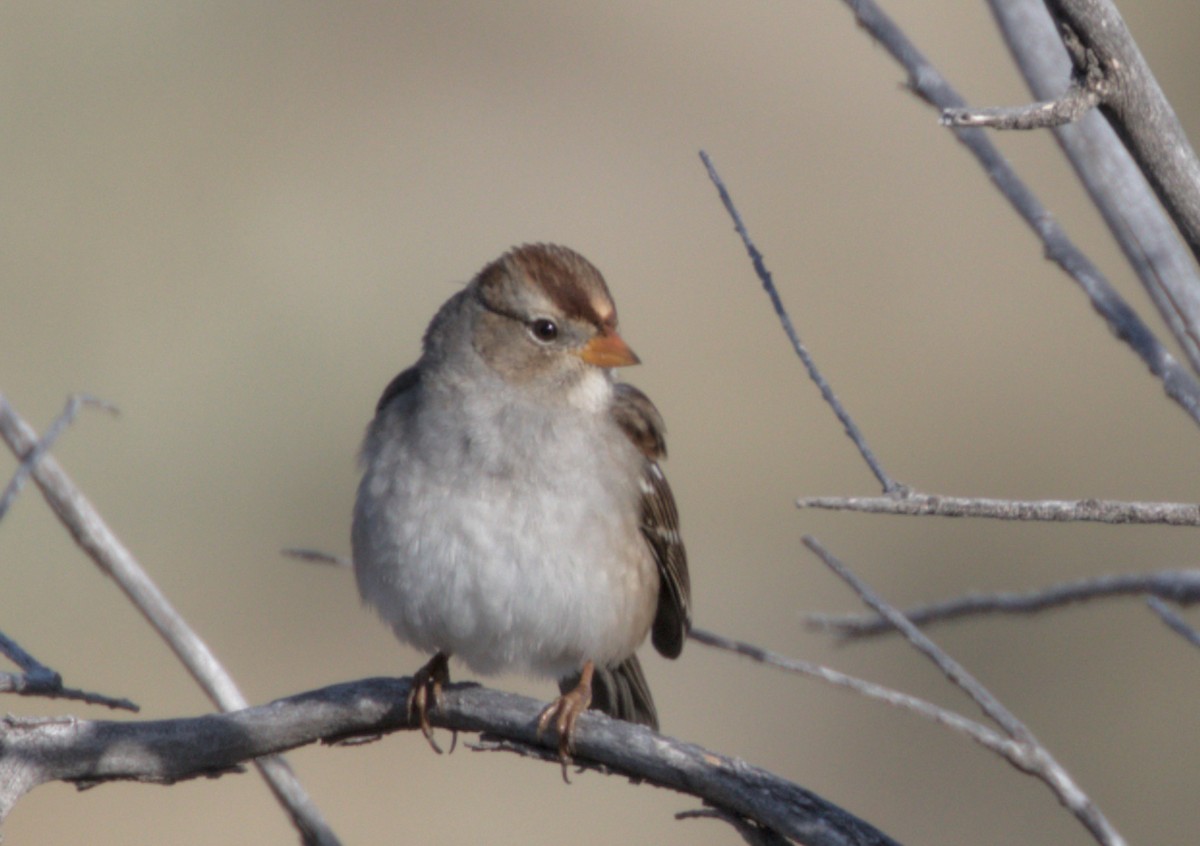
x=1029, y=755
x=1051, y=510
x=954, y=671
x=925, y=80
x=75, y=403
x=750, y=831
x=1070, y=107
x=36, y=679
x=890, y=486
x=316, y=556
x=23, y=684
x=981, y=734
x=1180, y=586
x=95, y=537
x=15, y=653
x=1174, y=621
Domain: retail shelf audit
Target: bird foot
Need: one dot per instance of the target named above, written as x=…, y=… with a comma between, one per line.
x=426, y=692
x=563, y=712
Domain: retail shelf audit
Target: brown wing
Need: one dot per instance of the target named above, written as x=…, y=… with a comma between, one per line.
x=642, y=423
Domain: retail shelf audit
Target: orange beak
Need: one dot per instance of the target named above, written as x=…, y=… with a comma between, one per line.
x=608, y=350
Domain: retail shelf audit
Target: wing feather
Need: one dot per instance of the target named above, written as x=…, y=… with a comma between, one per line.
x=641, y=422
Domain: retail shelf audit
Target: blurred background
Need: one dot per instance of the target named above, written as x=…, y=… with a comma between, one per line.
x=234, y=221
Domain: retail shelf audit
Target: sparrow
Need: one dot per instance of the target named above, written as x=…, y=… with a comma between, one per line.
x=512, y=512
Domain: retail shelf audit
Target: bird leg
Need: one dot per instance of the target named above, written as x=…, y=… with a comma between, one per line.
x=426, y=692
x=564, y=711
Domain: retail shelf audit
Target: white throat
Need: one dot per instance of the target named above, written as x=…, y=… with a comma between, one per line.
x=593, y=393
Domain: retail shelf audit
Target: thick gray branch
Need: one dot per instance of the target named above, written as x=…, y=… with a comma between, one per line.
x=1137, y=108
x=930, y=85
x=1137, y=221
x=86, y=752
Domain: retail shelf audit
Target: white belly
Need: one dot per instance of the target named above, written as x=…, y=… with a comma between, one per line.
x=535, y=576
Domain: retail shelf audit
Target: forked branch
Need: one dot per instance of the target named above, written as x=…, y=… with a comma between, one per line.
x=102, y=545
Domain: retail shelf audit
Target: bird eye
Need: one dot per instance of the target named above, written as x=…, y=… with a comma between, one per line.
x=544, y=330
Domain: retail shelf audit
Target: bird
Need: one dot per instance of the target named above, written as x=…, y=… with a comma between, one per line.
x=512, y=512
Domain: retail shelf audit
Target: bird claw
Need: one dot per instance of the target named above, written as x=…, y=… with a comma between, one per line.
x=564, y=712
x=426, y=692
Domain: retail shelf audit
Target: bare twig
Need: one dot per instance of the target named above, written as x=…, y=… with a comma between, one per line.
x=94, y=536
x=75, y=403
x=750, y=831
x=316, y=556
x=36, y=679
x=88, y=752
x=1051, y=510
x=954, y=671
x=1068, y=108
x=925, y=80
x=1137, y=221
x=1180, y=586
x=1028, y=754
x=890, y=486
x=1174, y=621
x=981, y=734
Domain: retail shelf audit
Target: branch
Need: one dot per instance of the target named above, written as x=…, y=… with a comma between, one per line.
x=751, y=832
x=1111, y=72
x=1070, y=107
x=36, y=679
x=954, y=671
x=1137, y=108
x=316, y=556
x=1027, y=754
x=165, y=751
x=1130, y=208
x=981, y=734
x=94, y=536
x=1050, y=510
x=1174, y=621
x=75, y=404
x=1180, y=586
x=890, y=485
x=925, y=80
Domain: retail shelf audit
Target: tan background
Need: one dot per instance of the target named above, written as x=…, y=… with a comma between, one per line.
x=234, y=220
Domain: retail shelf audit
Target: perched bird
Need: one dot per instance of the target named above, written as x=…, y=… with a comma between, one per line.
x=512, y=512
